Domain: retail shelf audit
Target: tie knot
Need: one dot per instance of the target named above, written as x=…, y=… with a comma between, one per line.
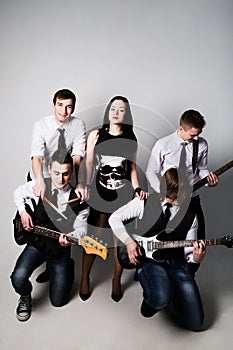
x=168, y=205
x=54, y=196
x=61, y=131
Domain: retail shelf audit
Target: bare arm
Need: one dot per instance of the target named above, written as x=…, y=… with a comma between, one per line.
x=135, y=182
x=79, y=176
x=39, y=188
x=91, y=141
x=87, y=166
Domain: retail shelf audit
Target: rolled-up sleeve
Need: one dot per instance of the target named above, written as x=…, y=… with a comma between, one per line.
x=79, y=144
x=38, y=143
x=22, y=193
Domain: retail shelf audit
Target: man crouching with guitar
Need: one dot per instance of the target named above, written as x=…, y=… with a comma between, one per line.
x=166, y=277
x=53, y=215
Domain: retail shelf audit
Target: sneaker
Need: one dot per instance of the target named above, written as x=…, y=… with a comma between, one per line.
x=24, y=308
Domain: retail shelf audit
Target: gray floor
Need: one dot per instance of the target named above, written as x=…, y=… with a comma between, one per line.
x=100, y=323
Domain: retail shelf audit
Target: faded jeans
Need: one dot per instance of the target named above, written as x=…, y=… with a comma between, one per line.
x=61, y=274
x=172, y=284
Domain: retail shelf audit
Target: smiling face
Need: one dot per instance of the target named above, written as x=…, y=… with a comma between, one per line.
x=117, y=112
x=188, y=134
x=62, y=110
x=60, y=174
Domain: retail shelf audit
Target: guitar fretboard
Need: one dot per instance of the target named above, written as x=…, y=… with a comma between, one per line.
x=152, y=245
x=43, y=231
x=218, y=172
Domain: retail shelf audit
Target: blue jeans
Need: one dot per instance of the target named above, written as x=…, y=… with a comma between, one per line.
x=172, y=284
x=61, y=273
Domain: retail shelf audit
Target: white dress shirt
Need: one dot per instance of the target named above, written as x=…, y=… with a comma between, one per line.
x=166, y=154
x=45, y=137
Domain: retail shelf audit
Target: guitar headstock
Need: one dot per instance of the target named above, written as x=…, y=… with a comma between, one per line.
x=227, y=241
x=92, y=246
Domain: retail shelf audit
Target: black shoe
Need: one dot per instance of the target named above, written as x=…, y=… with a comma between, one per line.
x=43, y=277
x=24, y=308
x=84, y=296
x=147, y=310
x=117, y=297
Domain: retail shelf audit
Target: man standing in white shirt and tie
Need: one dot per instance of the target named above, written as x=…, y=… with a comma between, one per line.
x=45, y=139
x=166, y=154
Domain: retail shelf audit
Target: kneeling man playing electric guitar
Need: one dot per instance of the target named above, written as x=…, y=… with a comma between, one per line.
x=168, y=251
x=48, y=227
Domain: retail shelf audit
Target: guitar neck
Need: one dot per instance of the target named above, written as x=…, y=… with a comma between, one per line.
x=53, y=234
x=182, y=244
x=218, y=172
x=46, y=232
x=89, y=244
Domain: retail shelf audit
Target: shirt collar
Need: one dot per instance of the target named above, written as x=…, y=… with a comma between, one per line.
x=65, y=189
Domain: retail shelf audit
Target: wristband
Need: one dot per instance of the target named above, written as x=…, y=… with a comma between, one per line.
x=138, y=190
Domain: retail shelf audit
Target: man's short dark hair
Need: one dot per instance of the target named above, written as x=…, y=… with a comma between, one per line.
x=65, y=94
x=193, y=119
x=62, y=157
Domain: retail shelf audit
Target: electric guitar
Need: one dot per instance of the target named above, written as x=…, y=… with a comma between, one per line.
x=158, y=250
x=90, y=244
x=152, y=246
x=217, y=172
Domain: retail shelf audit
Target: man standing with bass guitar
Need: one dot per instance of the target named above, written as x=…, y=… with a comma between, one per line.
x=169, y=281
x=185, y=150
x=51, y=214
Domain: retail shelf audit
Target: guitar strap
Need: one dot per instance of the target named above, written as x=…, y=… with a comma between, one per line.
x=195, y=154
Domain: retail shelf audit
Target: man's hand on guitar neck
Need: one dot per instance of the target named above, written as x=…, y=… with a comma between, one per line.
x=212, y=179
x=199, y=251
x=63, y=241
x=26, y=221
x=133, y=250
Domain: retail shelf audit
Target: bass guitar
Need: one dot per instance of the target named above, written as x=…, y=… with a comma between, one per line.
x=153, y=248
x=217, y=172
x=89, y=244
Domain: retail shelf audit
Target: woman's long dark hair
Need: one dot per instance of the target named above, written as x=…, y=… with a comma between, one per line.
x=127, y=125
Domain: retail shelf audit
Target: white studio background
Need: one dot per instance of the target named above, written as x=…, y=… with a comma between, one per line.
x=165, y=56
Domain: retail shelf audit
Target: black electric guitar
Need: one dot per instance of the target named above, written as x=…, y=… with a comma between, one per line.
x=217, y=172
x=158, y=250
x=90, y=244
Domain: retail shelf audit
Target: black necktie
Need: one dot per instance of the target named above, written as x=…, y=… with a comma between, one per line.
x=61, y=140
x=182, y=163
x=167, y=214
x=54, y=197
